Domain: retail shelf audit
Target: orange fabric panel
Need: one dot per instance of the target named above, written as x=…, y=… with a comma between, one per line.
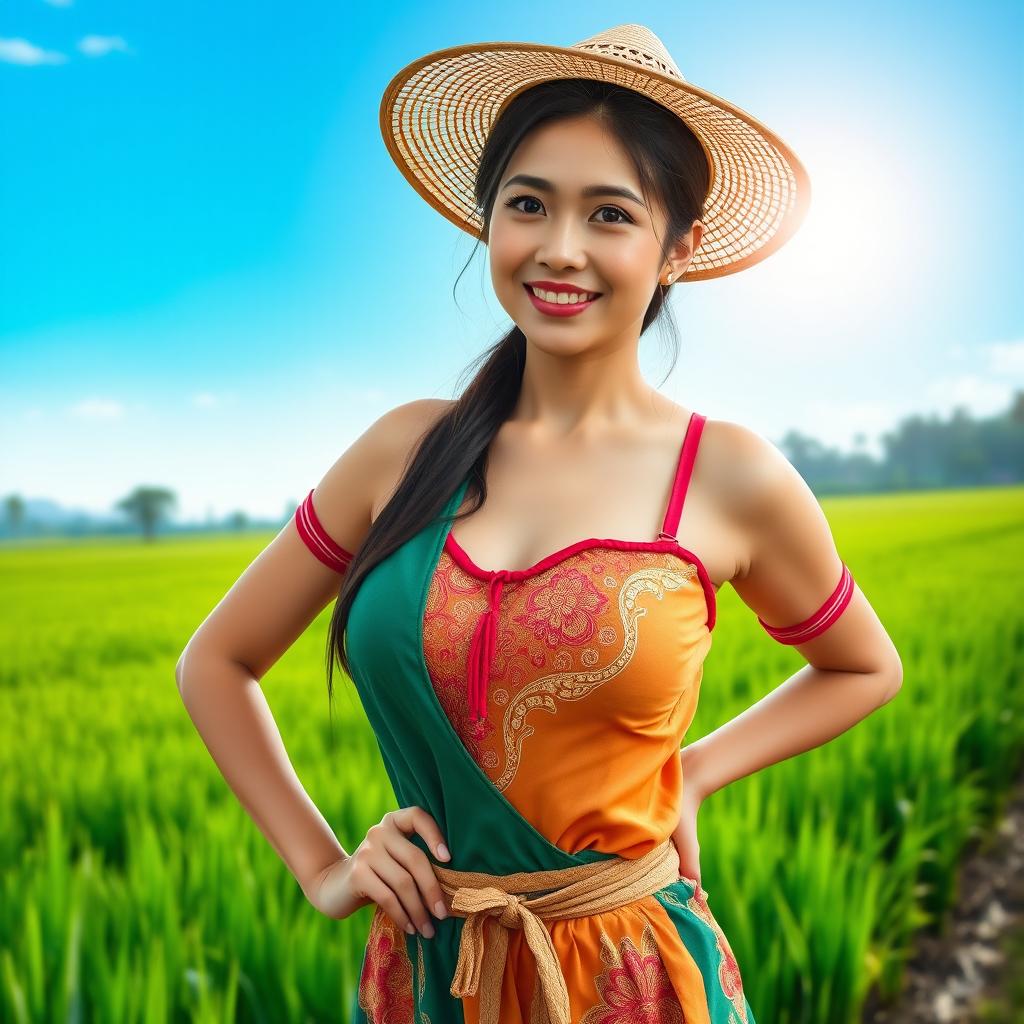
x=595, y=679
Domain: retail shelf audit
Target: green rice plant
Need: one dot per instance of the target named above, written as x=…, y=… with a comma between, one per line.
x=135, y=888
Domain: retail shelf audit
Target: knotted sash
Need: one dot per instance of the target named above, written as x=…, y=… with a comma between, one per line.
x=503, y=899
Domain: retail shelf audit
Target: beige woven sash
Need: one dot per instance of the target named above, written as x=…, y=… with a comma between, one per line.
x=505, y=899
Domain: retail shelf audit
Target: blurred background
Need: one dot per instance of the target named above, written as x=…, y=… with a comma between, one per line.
x=213, y=279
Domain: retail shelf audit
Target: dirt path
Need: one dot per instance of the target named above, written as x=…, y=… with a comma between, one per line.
x=976, y=974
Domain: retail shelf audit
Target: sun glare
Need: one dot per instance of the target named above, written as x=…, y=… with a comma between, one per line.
x=857, y=246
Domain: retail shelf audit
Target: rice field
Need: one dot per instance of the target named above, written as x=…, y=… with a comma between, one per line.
x=135, y=888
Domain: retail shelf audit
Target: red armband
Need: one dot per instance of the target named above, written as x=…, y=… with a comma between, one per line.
x=816, y=623
x=317, y=539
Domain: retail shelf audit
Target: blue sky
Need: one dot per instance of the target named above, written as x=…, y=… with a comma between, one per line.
x=213, y=278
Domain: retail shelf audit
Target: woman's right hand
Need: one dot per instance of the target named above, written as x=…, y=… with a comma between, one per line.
x=389, y=870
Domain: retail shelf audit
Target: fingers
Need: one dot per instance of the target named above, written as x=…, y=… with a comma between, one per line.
x=428, y=892
x=404, y=885
x=415, y=819
x=365, y=877
x=397, y=875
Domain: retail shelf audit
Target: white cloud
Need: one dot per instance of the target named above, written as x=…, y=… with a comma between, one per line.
x=100, y=46
x=981, y=395
x=209, y=400
x=98, y=409
x=21, y=51
x=985, y=386
x=1007, y=357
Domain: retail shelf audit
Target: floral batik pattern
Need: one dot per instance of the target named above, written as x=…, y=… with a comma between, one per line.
x=728, y=969
x=385, y=984
x=634, y=987
x=563, y=633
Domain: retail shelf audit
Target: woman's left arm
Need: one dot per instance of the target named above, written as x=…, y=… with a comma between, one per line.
x=793, y=578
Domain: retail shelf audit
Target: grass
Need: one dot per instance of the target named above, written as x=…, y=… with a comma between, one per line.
x=135, y=888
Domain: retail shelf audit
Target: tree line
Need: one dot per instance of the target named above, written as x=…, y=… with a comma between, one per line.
x=919, y=453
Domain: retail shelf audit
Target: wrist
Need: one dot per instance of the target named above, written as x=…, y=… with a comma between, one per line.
x=694, y=783
x=311, y=886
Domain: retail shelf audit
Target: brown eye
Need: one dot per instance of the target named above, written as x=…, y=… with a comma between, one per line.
x=515, y=200
x=615, y=209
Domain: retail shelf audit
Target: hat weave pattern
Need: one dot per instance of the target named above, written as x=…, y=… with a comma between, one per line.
x=436, y=113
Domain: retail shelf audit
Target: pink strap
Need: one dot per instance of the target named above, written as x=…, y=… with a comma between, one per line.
x=317, y=539
x=816, y=623
x=684, y=470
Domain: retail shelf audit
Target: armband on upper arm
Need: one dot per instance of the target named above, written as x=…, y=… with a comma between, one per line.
x=317, y=539
x=817, y=622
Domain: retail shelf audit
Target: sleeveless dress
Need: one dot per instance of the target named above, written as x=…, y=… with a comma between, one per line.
x=538, y=715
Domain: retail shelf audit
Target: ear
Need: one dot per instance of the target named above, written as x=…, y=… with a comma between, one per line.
x=684, y=249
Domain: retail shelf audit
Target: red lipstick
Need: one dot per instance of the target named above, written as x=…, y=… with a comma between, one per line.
x=559, y=308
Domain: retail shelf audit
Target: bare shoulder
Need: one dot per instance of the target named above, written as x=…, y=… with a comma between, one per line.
x=360, y=482
x=792, y=574
x=748, y=477
x=400, y=431
x=395, y=433
x=742, y=466
x=288, y=584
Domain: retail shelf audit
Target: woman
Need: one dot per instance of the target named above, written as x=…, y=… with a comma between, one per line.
x=530, y=663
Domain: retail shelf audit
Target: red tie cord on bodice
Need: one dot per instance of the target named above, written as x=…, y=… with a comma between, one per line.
x=817, y=622
x=481, y=651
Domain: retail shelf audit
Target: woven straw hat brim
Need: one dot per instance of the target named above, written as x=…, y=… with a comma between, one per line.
x=436, y=112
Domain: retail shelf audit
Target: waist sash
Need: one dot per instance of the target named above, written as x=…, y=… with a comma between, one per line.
x=508, y=902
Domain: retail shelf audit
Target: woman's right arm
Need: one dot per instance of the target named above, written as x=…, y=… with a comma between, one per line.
x=271, y=604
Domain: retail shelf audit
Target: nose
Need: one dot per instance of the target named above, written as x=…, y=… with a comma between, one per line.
x=561, y=244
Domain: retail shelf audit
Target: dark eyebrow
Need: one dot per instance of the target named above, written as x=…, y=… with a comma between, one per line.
x=543, y=185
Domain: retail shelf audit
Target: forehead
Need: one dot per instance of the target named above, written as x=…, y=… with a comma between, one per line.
x=573, y=153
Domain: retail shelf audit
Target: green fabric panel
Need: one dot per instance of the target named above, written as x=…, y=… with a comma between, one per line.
x=427, y=763
x=700, y=940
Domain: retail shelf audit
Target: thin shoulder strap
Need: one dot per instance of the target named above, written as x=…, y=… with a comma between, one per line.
x=687, y=455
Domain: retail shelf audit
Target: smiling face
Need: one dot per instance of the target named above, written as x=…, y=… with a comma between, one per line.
x=549, y=224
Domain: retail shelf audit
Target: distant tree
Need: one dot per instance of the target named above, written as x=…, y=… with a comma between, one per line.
x=14, y=511
x=1017, y=408
x=147, y=506
x=237, y=520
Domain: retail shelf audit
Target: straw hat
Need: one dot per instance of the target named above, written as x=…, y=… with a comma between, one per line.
x=436, y=112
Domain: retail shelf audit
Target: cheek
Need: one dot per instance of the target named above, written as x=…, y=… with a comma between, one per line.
x=632, y=263
x=509, y=250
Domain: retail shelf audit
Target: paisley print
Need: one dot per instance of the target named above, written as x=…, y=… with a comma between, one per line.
x=561, y=634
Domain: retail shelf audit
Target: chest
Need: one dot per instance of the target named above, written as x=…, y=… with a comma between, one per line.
x=519, y=527
x=609, y=636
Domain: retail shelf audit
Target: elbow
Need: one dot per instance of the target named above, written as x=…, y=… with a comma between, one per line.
x=179, y=669
x=892, y=680
x=196, y=653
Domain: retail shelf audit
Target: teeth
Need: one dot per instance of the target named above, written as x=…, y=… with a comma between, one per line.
x=563, y=298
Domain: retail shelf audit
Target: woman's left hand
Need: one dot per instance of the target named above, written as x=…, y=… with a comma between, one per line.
x=685, y=834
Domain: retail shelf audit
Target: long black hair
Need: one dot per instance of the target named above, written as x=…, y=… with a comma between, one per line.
x=671, y=163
